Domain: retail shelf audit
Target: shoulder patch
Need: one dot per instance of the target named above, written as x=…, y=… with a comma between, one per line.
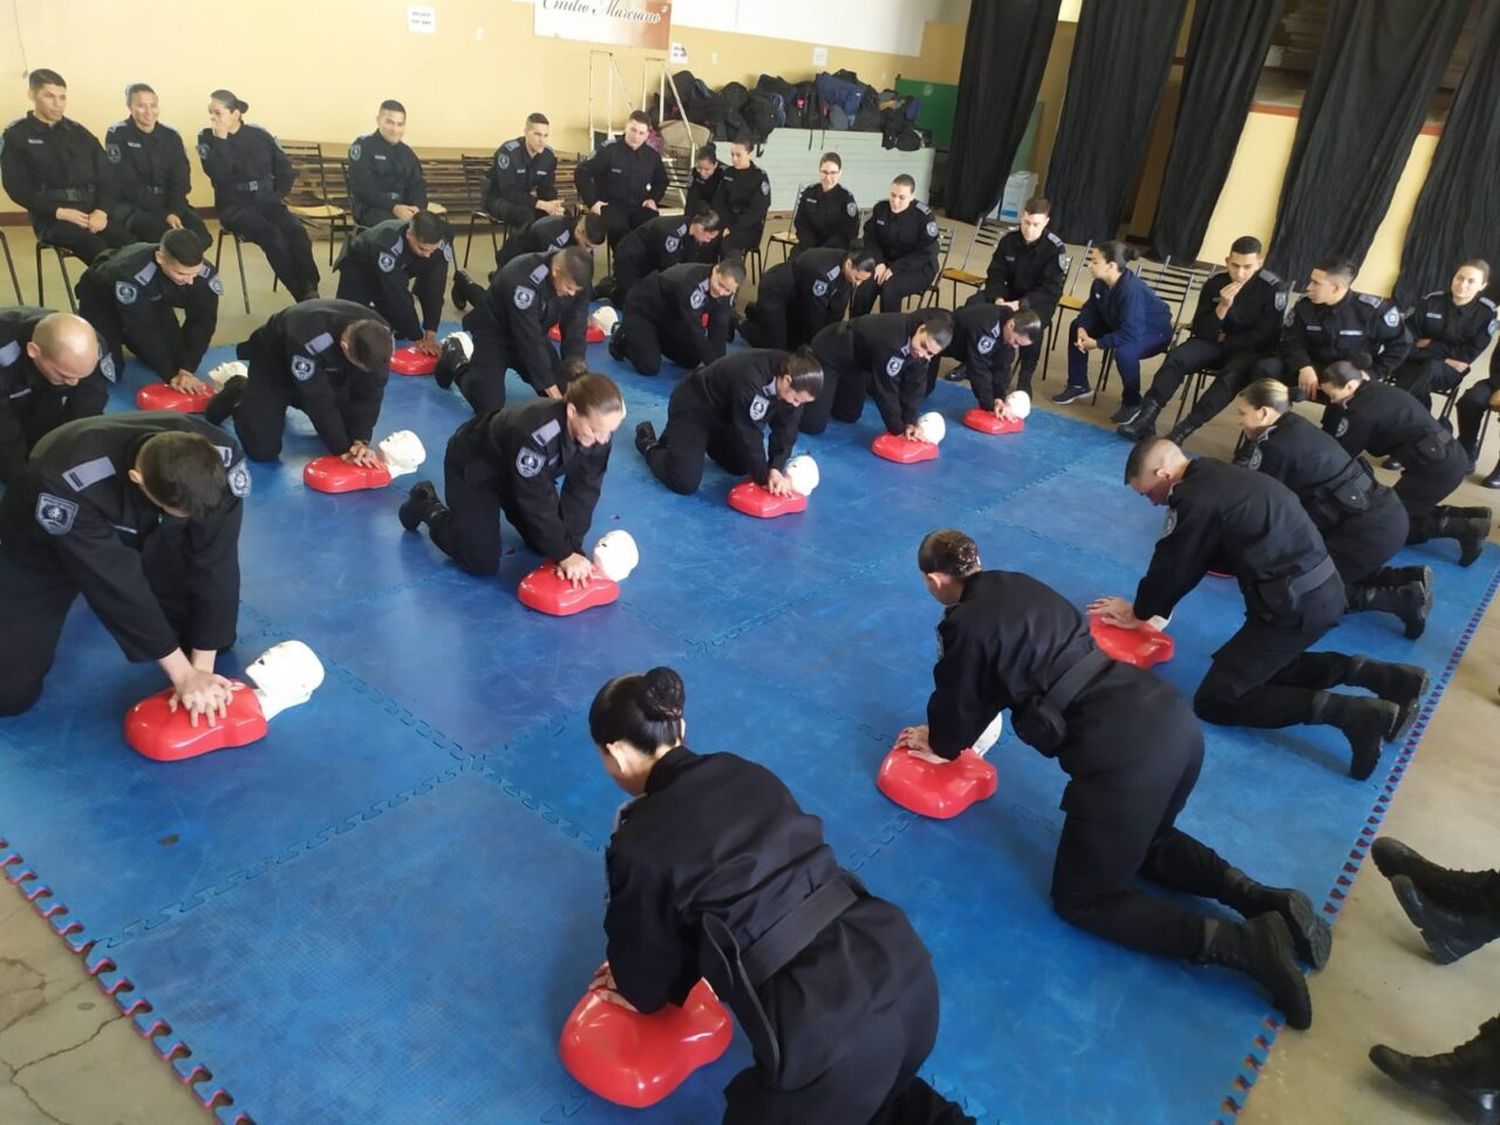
x=107, y=365
x=1392, y=317
x=126, y=293
x=238, y=479
x=932, y=228
x=1281, y=300
x=502, y=160
x=1171, y=523
x=894, y=365
x=539, y=275
x=216, y=285
x=672, y=243
x=354, y=152
x=9, y=353
x=523, y=297
x=985, y=344
x=54, y=514
x=113, y=152
x=851, y=208
x=303, y=368
x=820, y=288
x=758, y=407
x=386, y=261
x=1270, y=278
x=699, y=295
x=203, y=150
x=765, y=187
x=320, y=343
x=529, y=462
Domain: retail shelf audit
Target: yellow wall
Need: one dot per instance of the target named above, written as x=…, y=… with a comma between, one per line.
x=316, y=71
x=1247, y=204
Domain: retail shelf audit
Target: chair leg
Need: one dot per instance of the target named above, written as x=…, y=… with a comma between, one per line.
x=62, y=266
x=469, y=242
x=41, y=288
x=239, y=256
x=10, y=263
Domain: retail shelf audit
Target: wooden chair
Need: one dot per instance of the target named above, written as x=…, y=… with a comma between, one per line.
x=1173, y=284
x=986, y=237
x=475, y=169
x=63, y=254
x=931, y=297
x=310, y=200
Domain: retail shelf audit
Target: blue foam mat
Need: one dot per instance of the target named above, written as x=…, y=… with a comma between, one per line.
x=391, y=903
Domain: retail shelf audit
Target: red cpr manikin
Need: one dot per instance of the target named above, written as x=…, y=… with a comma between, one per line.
x=159, y=396
x=939, y=791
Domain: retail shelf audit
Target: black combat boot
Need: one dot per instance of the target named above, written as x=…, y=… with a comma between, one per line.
x=222, y=405
x=461, y=285
x=1143, y=425
x=1464, y=891
x=1311, y=934
x=1262, y=949
x=419, y=505
x=1470, y=526
x=1449, y=934
x=1467, y=1078
x=1410, y=601
x=1365, y=723
x=645, y=437
x=453, y=359
x=1401, y=684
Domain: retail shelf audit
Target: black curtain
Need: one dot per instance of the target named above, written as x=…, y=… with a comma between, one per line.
x=1005, y=52
x=1374, y=81
x=1115, y=81
x=1226, y=51
x=1458, y=212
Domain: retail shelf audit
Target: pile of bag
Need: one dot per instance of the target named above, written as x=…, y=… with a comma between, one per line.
x=830, y=101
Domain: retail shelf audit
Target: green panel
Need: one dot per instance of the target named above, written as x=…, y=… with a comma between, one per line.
x=938, y=101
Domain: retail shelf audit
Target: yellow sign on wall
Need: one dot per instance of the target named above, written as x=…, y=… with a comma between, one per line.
x=623, y=23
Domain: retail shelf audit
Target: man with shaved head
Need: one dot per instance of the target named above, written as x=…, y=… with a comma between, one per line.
x=1230, y=518
x=53, y=368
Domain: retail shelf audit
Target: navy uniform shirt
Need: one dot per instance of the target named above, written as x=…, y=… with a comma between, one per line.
x=546, y=235
x=527, y=447
x=825, y=218
x=144, y=298
x=151, y=169
x=1332, y=484
x=301, y=343
x=518, y=181
x=45, y=167
x=74, y=509
x=622, y=175
x=738, y=394
x=30, y=406
x=811, y=288
x=1386, y=421
x=676, y=300
x=700, y=192
x=246, y=164
x=979, y=344
x=525, y=306
x=1253, y=322
x=1460, y=332
x=656, y=244
x=879, y=345
x=382, y=254
x=906, y=243
x=1127, y=313
x=1365, y=329
x=1029, y=272
x=743, y=198
x=381, y=175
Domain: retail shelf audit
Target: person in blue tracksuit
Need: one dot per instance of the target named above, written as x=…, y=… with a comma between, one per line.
x=1122, y=313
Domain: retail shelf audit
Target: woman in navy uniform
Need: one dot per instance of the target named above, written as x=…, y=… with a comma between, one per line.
x=708, y=174
x=1362, y=522
x=1385, y=421
x=252, y=178
x=715, y=872
x=887, y=354
x=1451, y=328
x=1009, y=642
x=721, y=409
x=798, y=299
x=827, y=215
x=1122, y=313
x=741, y=201
x=511, y=460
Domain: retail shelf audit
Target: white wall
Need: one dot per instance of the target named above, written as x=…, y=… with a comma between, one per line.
x=891, y=26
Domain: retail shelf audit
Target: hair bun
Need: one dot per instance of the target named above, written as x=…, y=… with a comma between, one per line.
x=662, y=694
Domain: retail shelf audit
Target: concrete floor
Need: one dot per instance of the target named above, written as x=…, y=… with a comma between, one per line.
x=67, y=1056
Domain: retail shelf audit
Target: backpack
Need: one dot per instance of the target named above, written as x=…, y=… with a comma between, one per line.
x=839, y=94
x=805, y=108
x=760, y=115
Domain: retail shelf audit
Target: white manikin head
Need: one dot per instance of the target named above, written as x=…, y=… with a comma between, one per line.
x=616, y=555
x=285, y=675
x=802, y=471
x=606, y=318
x=464, y=342
x=227, y=371
x=1018, y=403
x=932, y=427
x=402, y=452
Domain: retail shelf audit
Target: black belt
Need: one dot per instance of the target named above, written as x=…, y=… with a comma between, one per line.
x=252, y=185
x=1314, y=578
x=1040, y=722
x=795, y=931
x=69, y=195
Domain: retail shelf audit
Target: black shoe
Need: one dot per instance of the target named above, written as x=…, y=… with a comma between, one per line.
x=1449, y=934
x=1262, y=949
x=222, y=405
x=1493, y=480
x=1411, y=601
x=957, y=375
x=1394, y=464
x=1128, y=413
x=1179, y=433
x=1470, y=526
x=617, y=345
x=1364, y=722
x=418, y=505
x=1466, y=1079
x=1401, y=684
x=1069, y=395
x=452, y=362
x=1400, y=576
x=1310, y=932
x=461, y=283
x=645, y=437
x=1143, y=425
x=1466, y=892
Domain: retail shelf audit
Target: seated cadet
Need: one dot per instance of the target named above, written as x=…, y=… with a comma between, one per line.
x=1383, y=420
x=827, y=215
x=1122, y=313
x=682, y=314
x=1334, y=322
x=1026, y=271
x=1482, y=396
x=510, y=460
x=53, y=167
x=887, y=354
x=385, y=175
x=251, y=178
x=86, y=516
x=378, y=263
x=741, y=202
x=131, y=295
x=329, y=359
x=1362, y=522
x=708, y=174
x=1231, y=518
x=547, y=236
x=624, y=180
x=509, y=324
x=152, y=177
x=663, y=242
x=1452, y=328
x=798, y=299
x=53, y=369
x=710, y=858
x=721, y=408
x=986, y=339
x=1237, y=323
x=903, y=234
x=521, y=185
x=1132, y=751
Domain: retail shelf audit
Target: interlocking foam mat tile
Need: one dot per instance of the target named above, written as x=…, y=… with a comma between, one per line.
x=385, y=909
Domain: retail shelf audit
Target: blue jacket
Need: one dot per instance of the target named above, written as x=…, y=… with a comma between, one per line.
x=1130, y=313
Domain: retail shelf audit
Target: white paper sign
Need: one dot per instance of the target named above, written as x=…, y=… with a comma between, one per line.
x=421, y=21
x=679, y=53
x=820, y=56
